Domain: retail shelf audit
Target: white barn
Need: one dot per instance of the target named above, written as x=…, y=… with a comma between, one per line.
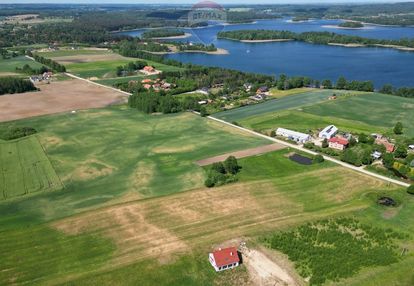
x=293, y=135
x=328, y=132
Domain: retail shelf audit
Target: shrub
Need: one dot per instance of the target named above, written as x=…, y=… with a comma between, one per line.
x=231, y=165
x=410, y=190
x=318, y=159
x=218, y=167
x=17, y=132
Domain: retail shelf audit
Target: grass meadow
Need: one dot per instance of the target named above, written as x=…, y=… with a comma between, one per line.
x=348, y=113
x=25, y=169
x=273, y=105
x=8, y=66
x=134, y=210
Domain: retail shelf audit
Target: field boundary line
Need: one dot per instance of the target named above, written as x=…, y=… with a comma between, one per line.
x=299, y=148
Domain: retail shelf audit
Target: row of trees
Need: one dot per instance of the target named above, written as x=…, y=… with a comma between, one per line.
x=15, y=85
x=403, y=91
x=10, y=132
x=151, y=102
x=162, y=33
x=311, y=37
x=48, y=62
x=27, y=69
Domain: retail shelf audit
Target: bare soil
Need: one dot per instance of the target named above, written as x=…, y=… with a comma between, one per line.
x=61, y=96
x=88, y=58
x=241, y=154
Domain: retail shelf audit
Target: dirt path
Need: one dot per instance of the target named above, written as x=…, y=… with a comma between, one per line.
x=241, y=154
x=264, y=271
x=60, y=96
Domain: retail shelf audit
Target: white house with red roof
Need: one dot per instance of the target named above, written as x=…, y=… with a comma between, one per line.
x=338, y=143
x=223, y=259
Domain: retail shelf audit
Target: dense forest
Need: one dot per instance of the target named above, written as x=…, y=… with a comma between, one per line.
x=15, y=85
x=312, y=37
x=351, y=24
x=162, y=33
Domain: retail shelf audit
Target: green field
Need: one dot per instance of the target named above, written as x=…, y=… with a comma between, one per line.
x=99, y=64
x=288, y=102
x=134, y=210
x=377, y=110
x=25, y=169
x=8, y=66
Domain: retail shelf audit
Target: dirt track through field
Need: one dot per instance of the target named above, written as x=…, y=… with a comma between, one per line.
x=241, y=154
x=60, y=96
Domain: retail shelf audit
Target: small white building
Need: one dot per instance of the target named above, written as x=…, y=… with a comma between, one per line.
x=328, y=132
x=223, y=259
x=376, y=155
x=411, y=147
x=293, y=135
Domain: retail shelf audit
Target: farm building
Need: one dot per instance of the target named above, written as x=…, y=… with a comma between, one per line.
x=262, y=89
x=149, y=70
x=223, y=259
x=338, y=143
x=293, y=135
x=328, y=132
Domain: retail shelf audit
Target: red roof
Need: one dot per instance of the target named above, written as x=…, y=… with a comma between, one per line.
x=226, y=256
x=341, y=141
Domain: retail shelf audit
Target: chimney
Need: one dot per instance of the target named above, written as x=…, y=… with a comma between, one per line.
x=231, y=253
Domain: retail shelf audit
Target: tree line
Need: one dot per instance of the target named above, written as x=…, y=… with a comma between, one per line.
x=323, y=38
x=130, y=68
x=27, y=69
x=162, y=33
x=15, y=85
x=48, y=62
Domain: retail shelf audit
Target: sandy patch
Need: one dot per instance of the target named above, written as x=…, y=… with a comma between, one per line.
x=347, y=45
x=92, y=169
x=57, y=97
x=265, y=271
x=241, y=154
x=186, y=35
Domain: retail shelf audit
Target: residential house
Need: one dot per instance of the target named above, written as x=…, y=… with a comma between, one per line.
x=389, y=147
x=328, y=132
x=149, y=70
x=147, y=80
x=262, y=89
x=338, y=143
x=147, y=86
x=223, y=259
x=293, y=135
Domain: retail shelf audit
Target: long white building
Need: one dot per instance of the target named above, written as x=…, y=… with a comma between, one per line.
x=328, y=132
x=293, y=135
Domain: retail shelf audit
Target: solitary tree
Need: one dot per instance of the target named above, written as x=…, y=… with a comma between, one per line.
x=318, y=159
x=388, y=160
x=401, y=152
x=325, y=143
x=398, y=128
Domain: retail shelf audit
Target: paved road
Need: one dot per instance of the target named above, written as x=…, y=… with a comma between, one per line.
x=327, y=158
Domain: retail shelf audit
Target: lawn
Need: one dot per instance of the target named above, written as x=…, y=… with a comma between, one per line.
x=25, y=169
x=377, y=110
x=135, y=210
x=288, y=102
x=8, y=66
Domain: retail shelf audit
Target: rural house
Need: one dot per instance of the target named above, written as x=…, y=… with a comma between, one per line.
x=262, y=89
x=338, y=143
x=293, y=135
x=329, y=132
x=223, y=259
x=389, y=147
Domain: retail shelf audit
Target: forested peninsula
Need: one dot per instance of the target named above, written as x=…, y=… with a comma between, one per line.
x=322, y=38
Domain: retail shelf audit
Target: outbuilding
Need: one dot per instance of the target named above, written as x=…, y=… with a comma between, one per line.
x=328, y=132
x=293, y=135
x=223, y=259
x=338, y=143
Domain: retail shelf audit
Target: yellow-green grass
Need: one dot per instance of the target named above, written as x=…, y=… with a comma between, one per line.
x=135, y=211
x=25, y=169
x=117, y=80
x=99, y=64
x=289, y=102
x=276, y=93
x=8, y=66
x=303, y=122
x=273, y=193
x=375, y=109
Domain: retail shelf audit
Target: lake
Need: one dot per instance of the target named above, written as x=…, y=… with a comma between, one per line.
x=380, y=65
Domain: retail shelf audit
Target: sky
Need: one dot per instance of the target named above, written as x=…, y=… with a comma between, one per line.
x=195, y=1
